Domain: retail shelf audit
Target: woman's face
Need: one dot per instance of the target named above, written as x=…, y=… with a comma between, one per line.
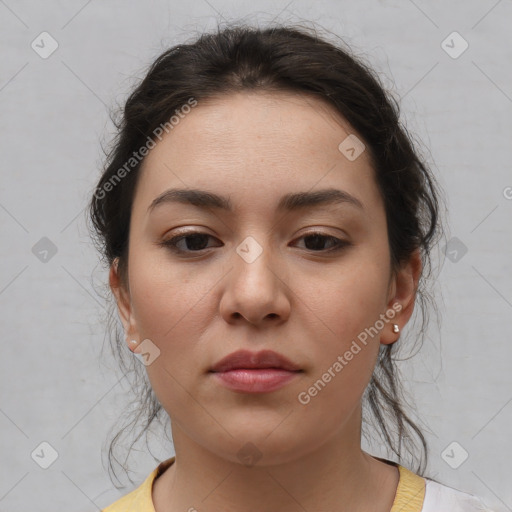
x=256, y=279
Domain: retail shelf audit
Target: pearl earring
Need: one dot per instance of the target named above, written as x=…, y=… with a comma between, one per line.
x=396, y=328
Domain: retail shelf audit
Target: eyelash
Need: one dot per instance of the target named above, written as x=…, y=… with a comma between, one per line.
x=171, y=243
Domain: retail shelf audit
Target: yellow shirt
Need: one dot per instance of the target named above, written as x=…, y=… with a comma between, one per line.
x=409, y=495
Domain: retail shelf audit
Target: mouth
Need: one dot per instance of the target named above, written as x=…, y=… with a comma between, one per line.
x=246, y=360
x=260, y=372
x=255, y=380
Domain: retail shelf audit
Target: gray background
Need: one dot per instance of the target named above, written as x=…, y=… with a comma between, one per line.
x=57, y=386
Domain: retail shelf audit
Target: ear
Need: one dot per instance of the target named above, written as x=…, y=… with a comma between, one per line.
x=123, y=301
x=402, y=296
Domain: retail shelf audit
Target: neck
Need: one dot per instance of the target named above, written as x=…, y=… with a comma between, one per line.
x=336, y=476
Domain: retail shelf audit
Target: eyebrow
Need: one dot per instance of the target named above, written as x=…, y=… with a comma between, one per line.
x=289, y=202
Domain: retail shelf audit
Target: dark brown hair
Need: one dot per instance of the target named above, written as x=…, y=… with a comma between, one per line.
x=281, y=58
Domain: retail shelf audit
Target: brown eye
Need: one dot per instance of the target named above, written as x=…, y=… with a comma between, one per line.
x=316, y=242
x=193, y=241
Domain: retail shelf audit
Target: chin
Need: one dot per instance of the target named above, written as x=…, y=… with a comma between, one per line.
x=259, y=446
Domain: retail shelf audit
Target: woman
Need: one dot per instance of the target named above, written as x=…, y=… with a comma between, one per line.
x=268, y=227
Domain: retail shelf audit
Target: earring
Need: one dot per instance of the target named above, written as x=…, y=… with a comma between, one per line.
x=396, y=328
x=133, y=344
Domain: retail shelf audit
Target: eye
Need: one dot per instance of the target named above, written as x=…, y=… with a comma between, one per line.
x=196, y=241
x=193, y=241
x=316, y=241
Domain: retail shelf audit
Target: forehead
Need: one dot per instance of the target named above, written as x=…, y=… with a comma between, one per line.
x=248, y=144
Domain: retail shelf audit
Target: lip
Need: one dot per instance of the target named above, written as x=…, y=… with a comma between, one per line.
x=261, y=372
x=261, y=380
x=244, y=359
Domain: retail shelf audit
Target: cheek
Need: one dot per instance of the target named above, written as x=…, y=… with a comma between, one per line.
x=173, y=306
x=351, y=297
x=158, y=304
x=347, y=306
x=344, y=359
x=167, y=297
x=170, y=309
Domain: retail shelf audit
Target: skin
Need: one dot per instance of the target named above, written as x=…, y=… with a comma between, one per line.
x=295, y=299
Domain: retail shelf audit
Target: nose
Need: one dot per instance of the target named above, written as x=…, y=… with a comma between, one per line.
x=256, y=291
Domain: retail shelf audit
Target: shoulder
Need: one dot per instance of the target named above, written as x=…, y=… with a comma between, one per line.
x=140, y=499
x=137, y=500
x=441, y=498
